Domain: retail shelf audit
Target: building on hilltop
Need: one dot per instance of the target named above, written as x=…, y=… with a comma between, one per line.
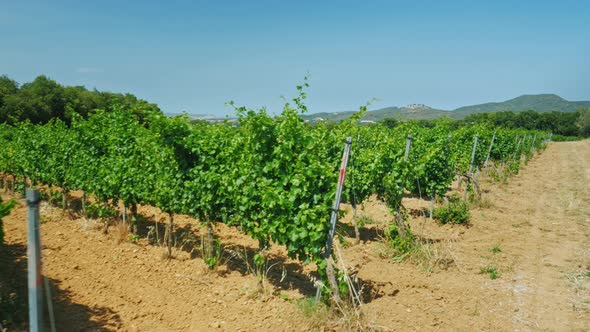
x=417, y=106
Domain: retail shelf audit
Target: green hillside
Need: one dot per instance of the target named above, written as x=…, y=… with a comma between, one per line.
x=540, y=103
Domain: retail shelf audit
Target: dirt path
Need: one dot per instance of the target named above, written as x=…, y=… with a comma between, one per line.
x=535, y=235
x=541, y=221
x=555, y=248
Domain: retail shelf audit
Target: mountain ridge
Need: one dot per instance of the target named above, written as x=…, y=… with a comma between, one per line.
x=538, y=102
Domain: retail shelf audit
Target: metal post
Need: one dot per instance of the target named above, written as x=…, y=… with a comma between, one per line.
x=353, y=202
x=84, y=204
x=473, y=155
x=34, y=262
x=49, y=305
x=335, y=207
x=469, y=172
x=408, y=146
x=485, y=166
x=516, y=151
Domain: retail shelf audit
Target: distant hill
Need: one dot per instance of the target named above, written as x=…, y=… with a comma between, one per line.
x=540, y=103
x=418, y=112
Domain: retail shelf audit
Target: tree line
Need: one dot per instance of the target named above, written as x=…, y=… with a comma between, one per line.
x=569, y=124
x=44, y=99
x=560, y=123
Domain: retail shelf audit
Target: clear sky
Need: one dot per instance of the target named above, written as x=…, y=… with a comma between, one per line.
x=196, y=55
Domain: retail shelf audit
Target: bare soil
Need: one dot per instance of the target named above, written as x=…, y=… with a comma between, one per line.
x=533, y=231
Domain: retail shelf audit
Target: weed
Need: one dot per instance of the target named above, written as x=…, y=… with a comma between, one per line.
x=365, y=220
x=342, y=316
x=212, y=258
x=431, y=255
x=100, y=210
x=491, y=270
x=133, y=238
x=425, y=253
x=400, y=244
x=483, y=203
x=349, y=317
x=316, y=312
x=4, y=211
x=457, y=211
x=260, y=266
x=52, y=196
x=495, y=250
x=343, y=241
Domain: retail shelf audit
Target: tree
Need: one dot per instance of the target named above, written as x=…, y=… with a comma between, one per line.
x=527, y=119
x=8, y=88
x=38, y=101
x=79, y=100
x=389, y=122
x=583, y=122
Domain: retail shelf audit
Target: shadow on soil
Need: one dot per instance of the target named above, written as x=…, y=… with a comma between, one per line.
x=280, y=273
x=69, y=316
x=419, y=213
x=290, y=275
x=365, y=233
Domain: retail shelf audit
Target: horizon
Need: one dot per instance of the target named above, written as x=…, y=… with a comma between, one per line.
x=205, y=115
x=195, y=57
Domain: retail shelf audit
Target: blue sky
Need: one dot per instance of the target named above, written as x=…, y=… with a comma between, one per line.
x=196, y=55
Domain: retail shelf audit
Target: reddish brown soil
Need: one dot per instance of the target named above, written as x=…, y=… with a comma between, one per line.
x=538, y=222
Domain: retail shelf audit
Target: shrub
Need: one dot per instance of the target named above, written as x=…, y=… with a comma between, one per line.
x=456, y=212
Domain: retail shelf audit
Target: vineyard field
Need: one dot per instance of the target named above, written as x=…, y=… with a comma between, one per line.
x=538, y=221
x=251, y=166
x=272, y=177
